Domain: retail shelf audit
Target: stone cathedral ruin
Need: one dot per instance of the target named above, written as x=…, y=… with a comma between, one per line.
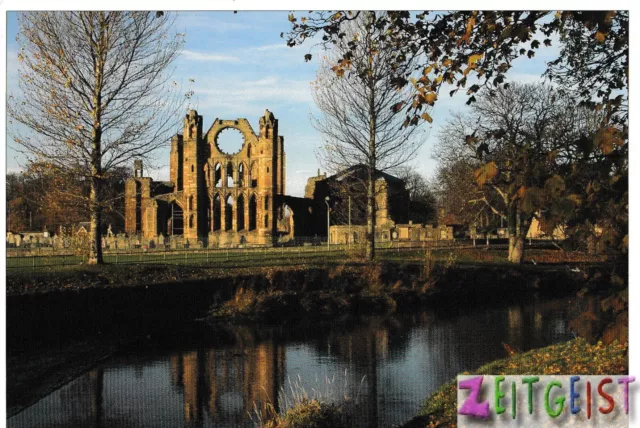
x=226, y=198
x=221, y=199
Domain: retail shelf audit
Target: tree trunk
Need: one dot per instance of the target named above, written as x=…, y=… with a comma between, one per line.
x=371, y=216
x=95, y=246
x=95, y=201
x=516, y=250
x=511, y=229
x=371, y=182
x=95, y=197
x=516, y=253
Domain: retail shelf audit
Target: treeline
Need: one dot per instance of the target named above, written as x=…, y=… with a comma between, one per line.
x=41, y=196
x=526, y=152
x=556, y=154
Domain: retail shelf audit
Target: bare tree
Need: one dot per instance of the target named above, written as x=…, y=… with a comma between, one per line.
x=460, y=201
x=95, y=93
x=422, y=195
x=520, y=143
x=359, y=100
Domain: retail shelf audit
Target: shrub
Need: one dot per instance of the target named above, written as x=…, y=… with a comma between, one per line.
x=311, y=414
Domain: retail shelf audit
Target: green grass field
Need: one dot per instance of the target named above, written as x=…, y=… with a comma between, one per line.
x=458, y=253
x=236, y=257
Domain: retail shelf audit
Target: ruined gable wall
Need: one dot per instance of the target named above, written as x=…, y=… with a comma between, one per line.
x=257, y=172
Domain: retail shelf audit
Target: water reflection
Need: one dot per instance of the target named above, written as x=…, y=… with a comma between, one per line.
x=226, y=385
x=384, y=367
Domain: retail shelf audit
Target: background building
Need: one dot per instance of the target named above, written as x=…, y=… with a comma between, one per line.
x=347, y=195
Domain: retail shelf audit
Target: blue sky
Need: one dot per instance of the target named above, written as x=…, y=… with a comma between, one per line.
x=241, y=67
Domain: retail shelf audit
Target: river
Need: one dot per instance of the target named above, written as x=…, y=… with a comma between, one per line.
x=201, y=376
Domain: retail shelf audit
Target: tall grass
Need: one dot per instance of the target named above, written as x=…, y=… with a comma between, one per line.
x=328, y=402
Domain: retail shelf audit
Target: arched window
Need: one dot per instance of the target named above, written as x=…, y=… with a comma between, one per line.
x=217, y=180
x=175, y=221
x=240, y=213
x=228, y=213
x=191, y=221
x=217, y=212
x=241, y=175
x=138, y=206
x=209, y=214
x=253, y=208
x=266, y=202
x=266, y=220
x=248, y=150
x=229, y=174
x=254, y=175
x=190, y=204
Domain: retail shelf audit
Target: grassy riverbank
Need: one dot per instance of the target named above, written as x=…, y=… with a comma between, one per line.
x=194, y=267
x=311, y=414
x=389, y=287
x=574, y=357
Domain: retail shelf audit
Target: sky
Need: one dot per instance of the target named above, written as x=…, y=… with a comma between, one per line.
x=241, y=66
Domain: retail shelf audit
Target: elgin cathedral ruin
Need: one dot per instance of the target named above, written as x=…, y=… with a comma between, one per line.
x=223, y=199
x=229, y=198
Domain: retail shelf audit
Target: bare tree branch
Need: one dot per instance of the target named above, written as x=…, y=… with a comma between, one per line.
x=95, y=93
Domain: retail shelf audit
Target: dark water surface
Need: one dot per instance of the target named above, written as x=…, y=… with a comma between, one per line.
x=385, y=367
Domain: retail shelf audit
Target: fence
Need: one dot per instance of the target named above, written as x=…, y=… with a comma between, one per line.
x=291, y=253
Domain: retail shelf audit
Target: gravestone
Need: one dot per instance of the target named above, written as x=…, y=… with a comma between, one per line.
x=122, y=242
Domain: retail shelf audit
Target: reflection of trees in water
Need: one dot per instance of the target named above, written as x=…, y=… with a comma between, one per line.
x=362, y=347
x=446, y=347
x=588, y=321
x=390, y=335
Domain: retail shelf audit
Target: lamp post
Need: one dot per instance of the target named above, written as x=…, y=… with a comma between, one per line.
x=326, y=201
x=350, y=237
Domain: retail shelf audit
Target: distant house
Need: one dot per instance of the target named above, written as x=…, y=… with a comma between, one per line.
x=346, y=193
x=392, y=197
x=536, y=232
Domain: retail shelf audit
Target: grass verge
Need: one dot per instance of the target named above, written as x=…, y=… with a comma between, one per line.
x=574, y=357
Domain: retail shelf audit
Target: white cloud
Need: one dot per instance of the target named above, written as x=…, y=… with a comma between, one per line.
x=207, y=22
x=208, y=57
x=276, y=46
x=161, y=173
x=247, y=97
x=266, y=81
x=525, y=78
